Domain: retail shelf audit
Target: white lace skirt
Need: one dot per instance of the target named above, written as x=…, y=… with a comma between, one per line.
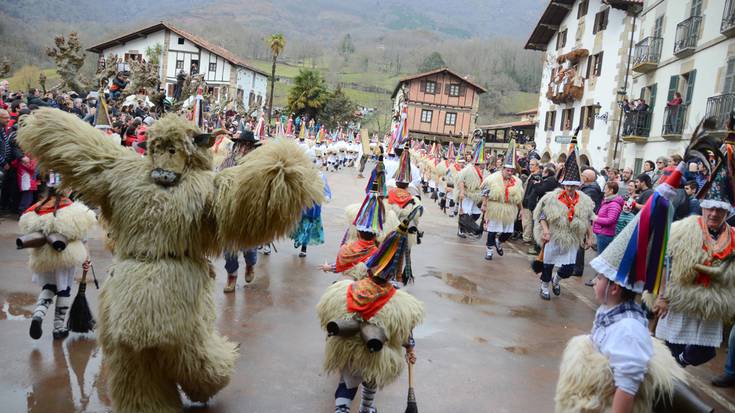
x=679, y=328
x=555, y=254
x=62, y=278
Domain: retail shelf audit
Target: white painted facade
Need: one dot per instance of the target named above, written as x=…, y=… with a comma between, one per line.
x=596, y=140
x=182, y=54
x=709, y=61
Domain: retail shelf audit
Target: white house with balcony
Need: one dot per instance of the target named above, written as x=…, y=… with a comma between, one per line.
x=685, y=47
x=181, y=51
x=586, y=44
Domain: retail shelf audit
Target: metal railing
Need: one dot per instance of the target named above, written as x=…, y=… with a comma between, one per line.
x=647, y=50
x=728, y=16
x=687, y=33
x=637, y=123
x=720, y=107
x=674, y=117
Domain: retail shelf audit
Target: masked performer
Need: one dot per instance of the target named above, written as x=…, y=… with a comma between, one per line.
x=168, y=213
x=470, y=194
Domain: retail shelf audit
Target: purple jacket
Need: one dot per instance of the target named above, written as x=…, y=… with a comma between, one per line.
x=607, y=216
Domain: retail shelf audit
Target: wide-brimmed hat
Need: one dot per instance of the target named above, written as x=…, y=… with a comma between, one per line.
x=246, y=136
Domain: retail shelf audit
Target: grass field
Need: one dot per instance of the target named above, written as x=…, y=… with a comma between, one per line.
x=28, y=75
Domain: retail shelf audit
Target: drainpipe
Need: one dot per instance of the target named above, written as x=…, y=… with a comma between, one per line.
x=625, y=85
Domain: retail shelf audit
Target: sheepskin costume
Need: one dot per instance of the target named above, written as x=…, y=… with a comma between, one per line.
x=472, y=176
x=390, y=223
x=168, y=212
x=73, y=222
x=401, y=314
x=54, y=270
x=586, y=381
x=567, y=234
x=714, y=300
x=502, y=204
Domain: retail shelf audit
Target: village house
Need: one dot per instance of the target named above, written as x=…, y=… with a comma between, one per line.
x=181, y=51
x=442, y=105
x=685, y=47
x=586, y=45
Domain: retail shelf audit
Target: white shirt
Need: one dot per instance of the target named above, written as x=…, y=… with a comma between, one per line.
x=628, y=346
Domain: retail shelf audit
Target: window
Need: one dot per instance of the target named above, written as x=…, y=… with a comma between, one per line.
x=251, y=99
x=450, y=118
x=582, y=8
x=696, y=9
x=638, y=168
x=730, y=76
x=598, y=64
x=594, y=65
x=453, y=89
x=550, y=120
x=652, y=90
x=213, y=67
x=561, y=39
x=600, y=21
x=689, y=78
x=181, y=40
x=179, y=64
x=658, y=27
x=426, y=115
x=567, y=119
x=587, y=120
x=673, y=87
x=430, y=87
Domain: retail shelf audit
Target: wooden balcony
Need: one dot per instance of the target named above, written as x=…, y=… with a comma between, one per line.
x=674, y=120
x=636, y=126
x=728, y=19
x=687, y=34
x=647, y=54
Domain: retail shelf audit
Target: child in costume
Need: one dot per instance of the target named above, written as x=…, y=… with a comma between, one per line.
x=371, y=302
x=564, y=216
x=310, y=230
x=53, y=266
x=503, y=193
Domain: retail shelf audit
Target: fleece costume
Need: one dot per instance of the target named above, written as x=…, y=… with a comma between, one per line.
x=54, y=270
x=167, y=213
x=699, y=298
x=501, y=208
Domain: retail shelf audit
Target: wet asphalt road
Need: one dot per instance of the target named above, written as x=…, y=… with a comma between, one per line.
x=489, y=343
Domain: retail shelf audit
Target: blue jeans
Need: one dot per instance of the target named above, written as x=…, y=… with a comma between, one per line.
x=730, y=362
x=602, y=242
x=231, y=264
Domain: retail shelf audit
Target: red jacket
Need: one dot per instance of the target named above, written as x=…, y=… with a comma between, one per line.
x=29, y=169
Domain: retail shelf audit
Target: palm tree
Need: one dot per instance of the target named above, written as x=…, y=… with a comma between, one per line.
x=308, y=93
x=276, y=42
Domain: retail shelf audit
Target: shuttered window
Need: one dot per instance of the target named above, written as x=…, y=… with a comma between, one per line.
x=730, y=77
x=690, y=78
x=673, y=87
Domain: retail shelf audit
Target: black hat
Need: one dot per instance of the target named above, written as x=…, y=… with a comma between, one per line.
x=247, y=136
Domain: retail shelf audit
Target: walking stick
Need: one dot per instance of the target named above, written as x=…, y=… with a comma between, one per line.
x=81, y=319
x=411, y=406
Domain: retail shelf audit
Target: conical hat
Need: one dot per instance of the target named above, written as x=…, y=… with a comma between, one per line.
x=510, y=155
x=479, y=155
x=102, y=116
x=571, y=175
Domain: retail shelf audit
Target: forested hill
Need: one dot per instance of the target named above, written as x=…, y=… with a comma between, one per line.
x=387, y=38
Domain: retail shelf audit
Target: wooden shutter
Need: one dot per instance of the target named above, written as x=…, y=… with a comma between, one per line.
x=730, y=77
x=438, y=88
x=423, y=86
x=598, y=64
x=696, y=9
x=673, y=87
x=692, y=76
x=589, y=67
x=462, y=90
x=446, y=88
x=583, y=116
x=643, y=93
x=658, y=27
x=605, y=16
x=652, y=98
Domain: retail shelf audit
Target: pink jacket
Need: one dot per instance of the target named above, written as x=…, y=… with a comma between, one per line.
x=29, y=169
x=607, y=216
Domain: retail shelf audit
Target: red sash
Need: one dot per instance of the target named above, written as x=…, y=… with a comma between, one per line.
x=367, y=298
x=479, y=172
x=354, y=253
x=48, y=207
x=399, y=196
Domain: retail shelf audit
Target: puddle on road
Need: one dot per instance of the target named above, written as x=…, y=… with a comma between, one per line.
x=18, y=306
x=455, y=281
x=481, y=340
x=516, y=350
x=523, y=312
x=464, y=298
